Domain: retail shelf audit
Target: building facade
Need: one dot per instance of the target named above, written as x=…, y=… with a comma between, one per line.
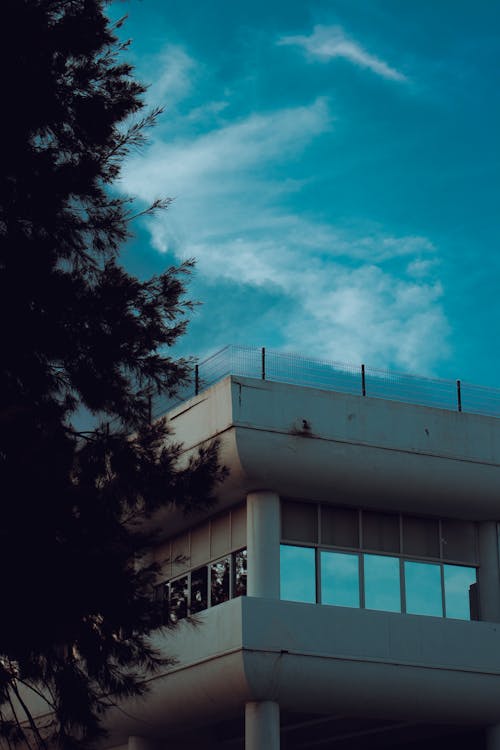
x=345, y=590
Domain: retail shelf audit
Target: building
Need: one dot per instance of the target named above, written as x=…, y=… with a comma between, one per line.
x=364, y=533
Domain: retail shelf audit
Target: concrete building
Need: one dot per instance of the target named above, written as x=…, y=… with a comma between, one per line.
x=364, y=534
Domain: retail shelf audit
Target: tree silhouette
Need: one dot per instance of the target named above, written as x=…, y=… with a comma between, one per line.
x=79, y=332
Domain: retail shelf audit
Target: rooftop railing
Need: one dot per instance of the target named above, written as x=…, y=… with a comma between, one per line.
x=358, y=380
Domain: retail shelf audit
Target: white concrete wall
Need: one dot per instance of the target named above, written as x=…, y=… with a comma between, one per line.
x=360, y=451
x=321, y=659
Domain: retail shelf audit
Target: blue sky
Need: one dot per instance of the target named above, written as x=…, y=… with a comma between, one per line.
x=335, y=172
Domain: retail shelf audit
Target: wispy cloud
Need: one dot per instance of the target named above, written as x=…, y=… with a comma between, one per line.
x=327, y=42
x=171, y=73
x=344, y=294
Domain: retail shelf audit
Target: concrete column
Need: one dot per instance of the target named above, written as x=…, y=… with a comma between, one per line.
x=263, y=544
x=140, y=743
x=262, y=725
x=493, y=737
x=489, y=572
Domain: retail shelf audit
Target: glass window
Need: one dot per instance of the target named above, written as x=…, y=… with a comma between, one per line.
x=421, y=537
x=299, y=521
x=381, y=531
x=199, y=590
x=459, y=540
x=178, y=599
x=382, y=585
x=339, y=527
x=298, y=573
x=423, y=589
x=457, y=583
x=240, y=573
x=340, y=579
x=219, y=581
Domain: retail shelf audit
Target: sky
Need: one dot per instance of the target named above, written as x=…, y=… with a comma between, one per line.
x=334, y=170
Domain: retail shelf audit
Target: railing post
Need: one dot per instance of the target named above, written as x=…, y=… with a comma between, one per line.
x=263, y=357
x=363, y=380
x=459, y=395
x=196, y=379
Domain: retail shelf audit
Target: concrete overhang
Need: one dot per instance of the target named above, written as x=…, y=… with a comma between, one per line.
x=344, y=449
x=329, y=660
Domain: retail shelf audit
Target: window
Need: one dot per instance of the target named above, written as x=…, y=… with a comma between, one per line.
x=219, y=581
x=339, y=579
x=382, y=583
x=423, y=589
x=458, y=584
x=204, y=587
x=298, y=573
x=384, y=561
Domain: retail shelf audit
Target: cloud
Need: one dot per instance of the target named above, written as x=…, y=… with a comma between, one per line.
x=171, y=72
x=328, y=42
x=211, y=161
x=334, y=291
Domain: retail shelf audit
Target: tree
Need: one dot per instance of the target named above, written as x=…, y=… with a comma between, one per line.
x=79, y=333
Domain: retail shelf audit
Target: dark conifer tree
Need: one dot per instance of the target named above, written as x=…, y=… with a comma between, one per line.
x=79, y=332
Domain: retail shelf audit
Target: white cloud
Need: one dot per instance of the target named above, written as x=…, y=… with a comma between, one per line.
x=327, y=42
x=341, y=298
x=171, y=73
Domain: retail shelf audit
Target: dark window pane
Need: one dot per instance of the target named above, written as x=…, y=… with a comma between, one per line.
x=380, y=531
x=382, y=585
x=423, y=589
x=421, y=537
x=339, y=579
x=240, y=573
x=339, y=527
x=178, y=599
x=161, y=603
x=219, y=581
x=199, y=589
x=457, y=583
x=299, y=522
x=298, y=574
x=459, y=540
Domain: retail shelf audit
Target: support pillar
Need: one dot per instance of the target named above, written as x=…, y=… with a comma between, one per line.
x=262, y=725
x=263, y=544
x=493, y=737
x=140, y=743
x=489, y=572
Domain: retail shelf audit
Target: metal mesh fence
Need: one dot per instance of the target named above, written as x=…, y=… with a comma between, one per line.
x=253, y=362
x=411, y=389
x=480, y=400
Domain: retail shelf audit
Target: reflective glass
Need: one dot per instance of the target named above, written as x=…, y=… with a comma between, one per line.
x=298, y=573
x=457, y=581
x=423, y=589
x=340, y=579
x=199, y=590
x=219, y=581
x=240, y=573
x=382, y=587
x=178, y=599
